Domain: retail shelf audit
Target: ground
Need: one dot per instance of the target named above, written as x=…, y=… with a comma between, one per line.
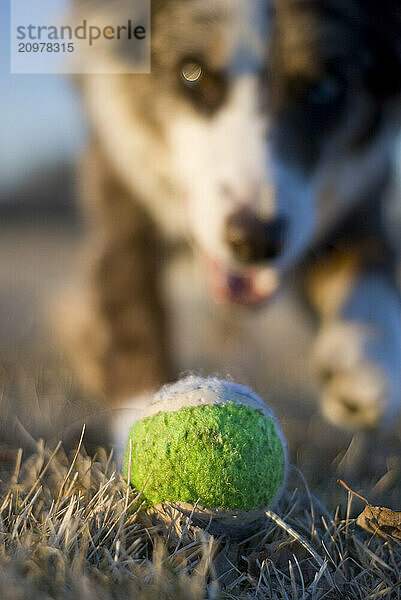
x=71, y=528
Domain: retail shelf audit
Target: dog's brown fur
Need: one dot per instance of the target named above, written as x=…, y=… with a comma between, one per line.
x=122, y=344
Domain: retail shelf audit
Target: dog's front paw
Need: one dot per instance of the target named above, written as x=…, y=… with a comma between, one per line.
x=357, y=392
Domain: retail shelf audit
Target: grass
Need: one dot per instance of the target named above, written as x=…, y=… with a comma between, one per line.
x=71, y=529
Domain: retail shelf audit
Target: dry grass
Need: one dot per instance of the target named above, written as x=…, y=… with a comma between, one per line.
x=70, y=528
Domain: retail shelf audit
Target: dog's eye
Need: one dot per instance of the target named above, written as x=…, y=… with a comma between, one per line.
x=204, y=87
x=191, y=72
x=324, y=92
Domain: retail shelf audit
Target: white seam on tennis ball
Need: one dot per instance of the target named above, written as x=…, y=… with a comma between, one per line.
x=204, y=397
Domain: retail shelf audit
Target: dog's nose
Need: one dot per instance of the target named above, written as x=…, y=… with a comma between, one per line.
x=252, y=239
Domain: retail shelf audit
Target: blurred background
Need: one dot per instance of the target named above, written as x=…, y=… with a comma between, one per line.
x=42, y=133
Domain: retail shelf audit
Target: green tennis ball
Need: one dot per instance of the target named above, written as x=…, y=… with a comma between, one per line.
x=208, y=442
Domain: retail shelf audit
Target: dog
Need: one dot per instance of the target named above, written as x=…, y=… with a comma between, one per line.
x=258, y=152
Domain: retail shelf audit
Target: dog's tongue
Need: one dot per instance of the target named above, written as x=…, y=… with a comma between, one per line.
x=251, y=286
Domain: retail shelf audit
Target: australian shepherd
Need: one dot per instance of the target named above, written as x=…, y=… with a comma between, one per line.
x=256, y=155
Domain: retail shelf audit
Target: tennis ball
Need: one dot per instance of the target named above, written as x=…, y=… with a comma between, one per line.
x=210, y=444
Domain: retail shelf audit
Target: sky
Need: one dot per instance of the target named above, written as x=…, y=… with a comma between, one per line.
x=40, y=116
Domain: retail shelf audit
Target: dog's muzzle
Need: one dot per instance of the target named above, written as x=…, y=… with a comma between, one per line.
x=253, y=244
